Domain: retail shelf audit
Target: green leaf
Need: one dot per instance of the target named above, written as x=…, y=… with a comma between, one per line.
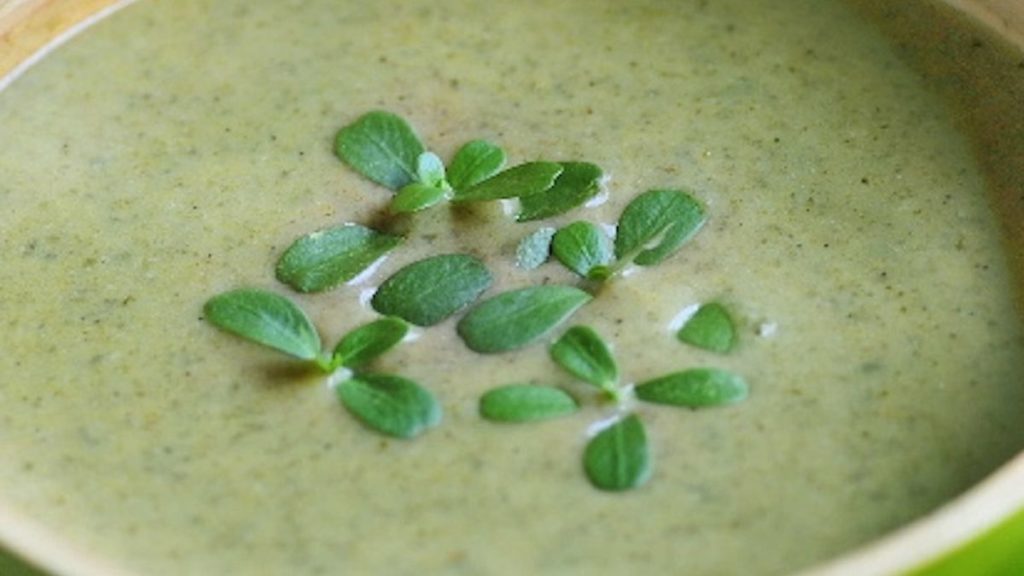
x=382, y=147
x=526, y=403
x=475, y=162
x=695, y=388
x=265, y=318
x=415, y=197
x=618, y=458
x=389, y=404
x=368, y=342
x=430, y=290
x=665, y=217
x=582, y=352
x=535, y=248
x=521, y=180
x=514, y=319
x=430, y=170
x=326, y=258
x=582, y=247
x=578, y=182
x=710, y=328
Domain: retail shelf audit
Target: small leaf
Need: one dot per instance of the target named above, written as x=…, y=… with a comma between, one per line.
x=415, y=197
x=382, y=147
x=430, y=170
x=535, y=249
x=265, y=318
x=695, y=388
x=582, y=352
x=514, y=319
x=526, y=403
x=389, y=404
x=326, y=258
x=521, y=180
x=430, y=290
x=582, y=247
x=475, y=162
x=368, y=342
x=618, y=458
x=669, y=217
x=578, y=182
x=710, y=328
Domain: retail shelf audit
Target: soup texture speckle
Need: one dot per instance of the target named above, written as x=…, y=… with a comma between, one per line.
x=174, y=150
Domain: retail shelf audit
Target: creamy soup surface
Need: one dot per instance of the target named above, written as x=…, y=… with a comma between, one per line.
x=174, y=150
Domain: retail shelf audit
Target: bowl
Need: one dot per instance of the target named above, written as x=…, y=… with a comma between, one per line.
x=971, y=47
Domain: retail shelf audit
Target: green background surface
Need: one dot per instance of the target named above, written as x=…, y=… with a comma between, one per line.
x=1000, y=552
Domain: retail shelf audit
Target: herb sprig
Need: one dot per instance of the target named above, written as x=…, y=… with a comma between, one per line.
x=389, y=404
x=618, y=457
x=652, y=227
x=384, y=148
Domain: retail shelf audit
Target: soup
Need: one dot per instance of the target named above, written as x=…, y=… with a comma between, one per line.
x=176, y=149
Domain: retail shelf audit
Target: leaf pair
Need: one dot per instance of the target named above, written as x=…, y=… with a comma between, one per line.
x=384, y=148
x=389, y=404
x=652, y=227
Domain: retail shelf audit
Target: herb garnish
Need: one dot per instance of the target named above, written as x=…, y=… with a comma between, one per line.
x=617, y=458
x=384, y=148
x=430, y=290
x=326, y=258
x=583, y=248
x=514, y=319
x=388, y=404
x=578, y=183
x=711, y=328
x=535, y=249
x=526, y=403
x=653, y=226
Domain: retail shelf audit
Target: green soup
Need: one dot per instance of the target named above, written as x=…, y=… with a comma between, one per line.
x=174, y=150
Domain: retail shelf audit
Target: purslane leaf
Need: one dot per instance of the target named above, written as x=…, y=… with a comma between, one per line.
x=584, y=355
x=382, y=147
x=265, y=318
x=326, y=258
x=415, y=197
x=582, y=247
x=618, y=457
x=430, y=170
x=514, y=319
x=694, y=388
x=430, y=290
x=668, y=217
x=368, y=341
x=526, y=403
x=389, y=404
x=535, y=249
x=518, y=181
x=578, y=182
x=711, y=328
x=475, y=162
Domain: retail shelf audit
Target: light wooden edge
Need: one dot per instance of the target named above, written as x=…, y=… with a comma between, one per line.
x=1005, y=17
x=26, y=26
x=47, y=550
x=30, y=28
x=983, y=507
